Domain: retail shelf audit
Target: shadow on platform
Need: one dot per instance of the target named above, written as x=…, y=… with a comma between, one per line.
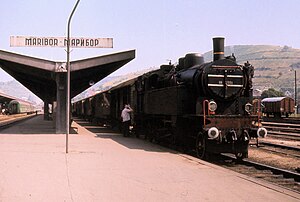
x=116, y=136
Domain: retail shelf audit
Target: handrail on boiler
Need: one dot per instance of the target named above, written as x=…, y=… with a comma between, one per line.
x=259, y=112
x=204, y=111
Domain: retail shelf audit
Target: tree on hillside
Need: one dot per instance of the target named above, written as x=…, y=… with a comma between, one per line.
x=271, y=92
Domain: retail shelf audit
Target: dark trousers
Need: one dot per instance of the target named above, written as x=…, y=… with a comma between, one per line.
x=126, y=125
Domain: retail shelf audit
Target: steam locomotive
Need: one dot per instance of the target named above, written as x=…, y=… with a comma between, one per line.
x=205, y=107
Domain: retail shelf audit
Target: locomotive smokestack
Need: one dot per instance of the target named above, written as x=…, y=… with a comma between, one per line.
x=218, y=43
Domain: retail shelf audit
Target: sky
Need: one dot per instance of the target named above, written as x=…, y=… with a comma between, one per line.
x=159, y=30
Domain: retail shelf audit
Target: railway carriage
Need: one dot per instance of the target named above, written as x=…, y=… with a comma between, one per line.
x=20, y=107
x=278, y=106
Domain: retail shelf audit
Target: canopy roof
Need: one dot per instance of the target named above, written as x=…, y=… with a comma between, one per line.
x=39, y=75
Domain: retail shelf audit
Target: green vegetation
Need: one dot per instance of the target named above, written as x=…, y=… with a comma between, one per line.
x=271, y=92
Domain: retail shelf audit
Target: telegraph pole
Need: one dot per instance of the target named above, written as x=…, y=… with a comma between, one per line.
x=296, y=104
x=68, y=79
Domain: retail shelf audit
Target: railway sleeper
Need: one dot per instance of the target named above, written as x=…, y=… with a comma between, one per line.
x=276, y=171
x=278, y=179
x=264, y=175
x=287, y=182
x=291, y=185
x=247, y=169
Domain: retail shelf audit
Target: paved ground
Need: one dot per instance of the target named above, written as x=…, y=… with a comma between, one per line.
x=104, y=166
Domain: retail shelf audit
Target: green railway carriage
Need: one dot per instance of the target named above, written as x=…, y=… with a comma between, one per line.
x=20, y=107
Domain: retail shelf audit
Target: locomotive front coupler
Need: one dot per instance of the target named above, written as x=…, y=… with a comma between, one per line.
x=245, y=136
x=231, y=136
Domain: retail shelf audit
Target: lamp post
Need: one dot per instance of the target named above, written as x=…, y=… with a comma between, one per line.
x=68, y=79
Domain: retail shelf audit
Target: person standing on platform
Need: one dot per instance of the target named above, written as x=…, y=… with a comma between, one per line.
x=125, y=115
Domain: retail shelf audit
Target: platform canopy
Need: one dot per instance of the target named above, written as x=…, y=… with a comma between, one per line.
x=39, y=75
x=4, y=98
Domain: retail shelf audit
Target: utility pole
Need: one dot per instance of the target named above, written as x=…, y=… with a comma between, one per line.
x=296, y=104
x=68, y=79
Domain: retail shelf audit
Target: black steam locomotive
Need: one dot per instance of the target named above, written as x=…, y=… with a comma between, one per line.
x=206, y=107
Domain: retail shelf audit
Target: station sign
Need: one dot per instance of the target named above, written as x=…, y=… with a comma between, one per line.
x=81, y=42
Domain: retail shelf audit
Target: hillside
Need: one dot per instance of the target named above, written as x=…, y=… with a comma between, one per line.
x=274, y=65
x=274, y=68
x=14, y=88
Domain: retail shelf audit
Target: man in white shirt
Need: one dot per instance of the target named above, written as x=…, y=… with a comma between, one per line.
x=125, y=115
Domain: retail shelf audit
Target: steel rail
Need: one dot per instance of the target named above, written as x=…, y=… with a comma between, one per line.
x=260, y=166
x=280, y=146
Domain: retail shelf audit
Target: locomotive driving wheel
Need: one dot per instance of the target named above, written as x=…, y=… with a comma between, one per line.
x=201, y=146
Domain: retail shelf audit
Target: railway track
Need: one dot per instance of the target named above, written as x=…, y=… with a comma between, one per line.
x=278, y=176
x=7, y=117
x=280, y=149
x=6, y=121
x=289, y=131
x=293, y=120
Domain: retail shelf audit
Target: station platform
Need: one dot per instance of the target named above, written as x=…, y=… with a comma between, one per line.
x=105, y=166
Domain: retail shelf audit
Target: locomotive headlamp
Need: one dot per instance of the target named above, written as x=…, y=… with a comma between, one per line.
x=262, y=132
x=248, y=108
x=213, y=133
x=212, y=106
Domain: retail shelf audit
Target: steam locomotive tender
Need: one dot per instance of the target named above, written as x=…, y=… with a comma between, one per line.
x=205, y=107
